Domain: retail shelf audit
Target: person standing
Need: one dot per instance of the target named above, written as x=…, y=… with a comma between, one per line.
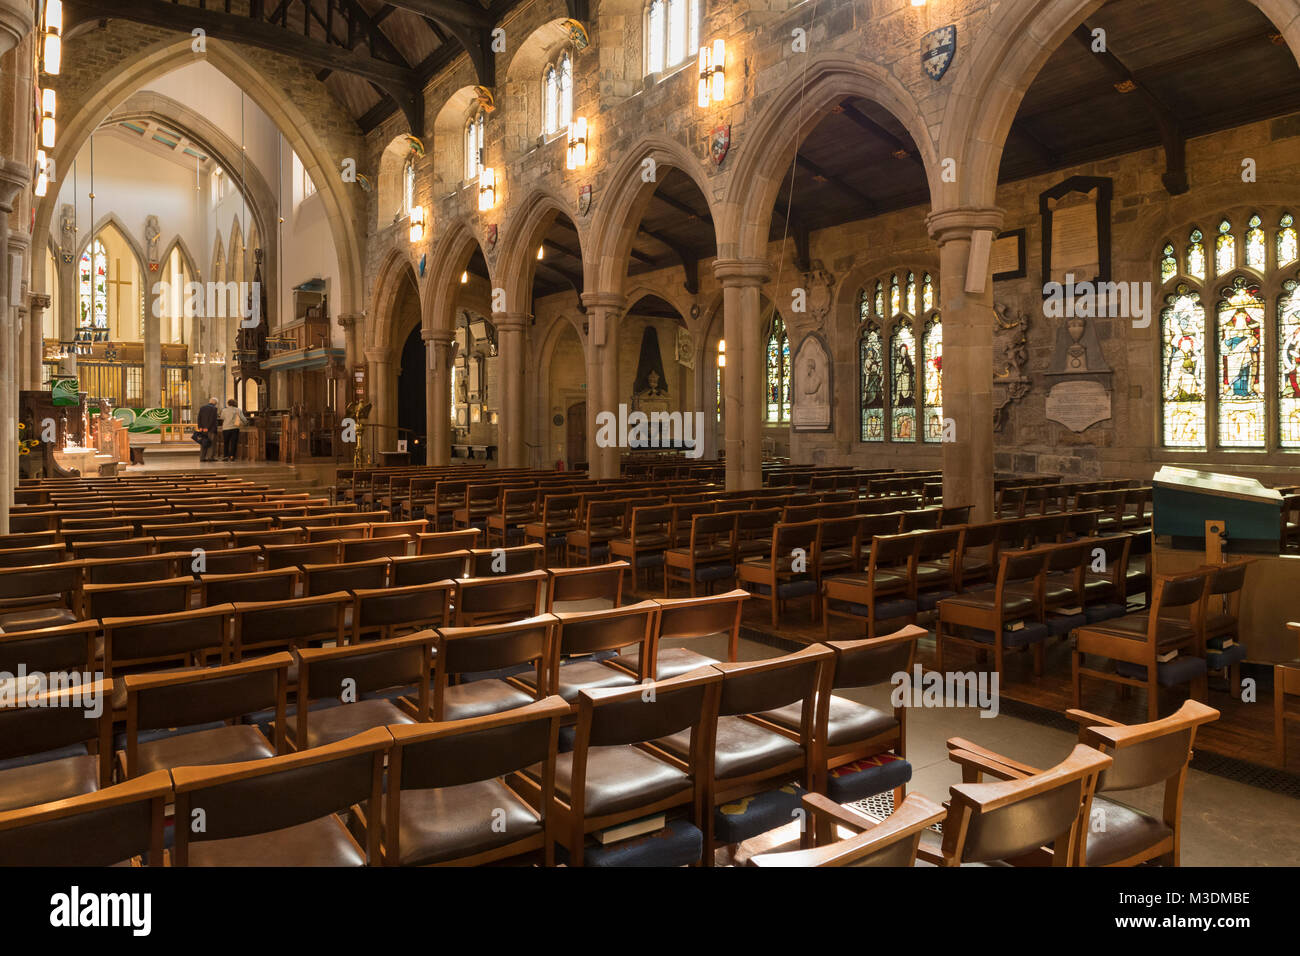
x=209, y=417
x=231, y=418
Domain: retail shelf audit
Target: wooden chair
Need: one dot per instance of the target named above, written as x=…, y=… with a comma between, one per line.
x=1036, y=819
x=1286, y=683
x=581, y=644
x=1059, y=590
x=284, y=811
x=233, y=560
x=560, y=514
x=789, y=570
x=1220, y=624
x=218, y=541
x=442, y=542
x=586, y=588
x=1140, y=574
x=280, y=585
x=164, y=642
x=391, y=612
x=746, y=756
x=369, y=683
x=143, y=597
x=590, y=543
x=347, y=576
x=608, y=780
x=42, y=596
x=484, y=562
x=518, y=508
x=708, y=558
x=754, y=532
x=839, y=550
x=295, y=555
x=507, y=597
x=283, y=625
x=1134, y=643
x=491, y=649
x=94, y=547
x=934, y=572
x=687, y=619
x=427, y=568
x=121, y=824
x=1104, y=582
x=450, y=799
x=882, y=593
x=891, y=842
x=977, y=555
x=55, y=740
x=29, y=557
x=649, y=536
x=1001, y=619
x=156, y=703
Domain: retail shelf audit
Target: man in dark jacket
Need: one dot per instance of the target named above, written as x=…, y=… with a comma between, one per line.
x=208, y=417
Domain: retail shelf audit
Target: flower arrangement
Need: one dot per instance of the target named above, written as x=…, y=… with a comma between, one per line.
x=25, y=445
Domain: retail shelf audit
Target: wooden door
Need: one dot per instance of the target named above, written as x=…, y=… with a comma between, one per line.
x=576, y=444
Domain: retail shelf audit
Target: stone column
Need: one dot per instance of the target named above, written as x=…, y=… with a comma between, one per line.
x=351, y=325
x=967, y=357
x=604, y=312
x=741, y=281
x=511, y=343
x=437, y=396
x=37, y=307
x=152, y=377
x=381, y=386
x=14, y=177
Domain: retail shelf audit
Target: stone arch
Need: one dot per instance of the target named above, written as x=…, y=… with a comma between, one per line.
x=523, y=85
x=541, y=422
x=993, y=76
x=786, y=122
x=236, y=256
x=160, y=58
x=528, y=224
x=391, y=188
x=218, y=259
x=112, y=219
x=449, y=139
x=451, y=257
x=626, y=197
x=388, y=283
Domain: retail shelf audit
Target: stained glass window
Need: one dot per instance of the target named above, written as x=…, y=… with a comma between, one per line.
x=1256, y=257
x=933, y=344
x=655, y=37
x=902, y=383
x=93, y=286
x=880, y=298
x=1225, y=250
x=927, y=293
x=474, y=143
x=408, y=185
x=1241, y=385
x=871, y=363
x=1287, y=246
x=778, y=372
x=549, y=87
x=1168, y=264
x=564, y=94
x=1196, y=255
x=1288, y=364
x=911, y=293
x=1183, y=369
x=895, y=302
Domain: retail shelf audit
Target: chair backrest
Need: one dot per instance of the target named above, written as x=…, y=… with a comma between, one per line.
x=786, y=538
x=595, y=584
x=921, y=519
x=60, y=711
x=388, y=609
x=110, y=548
x=427, y=568
x=289, y=555
x=490, y=647
x=390, y=529
x=164, y=638
x=262, y=796
x=334, y=533
x=1178, y=590
x=892, y=551
x=589, y=632
x=1016, y=566
x=27, y=557
x=155, y=567
x=840, y=532
x=104, y=828
x=488, y=561
x=345, y=673
x=289, y=623
x=752, y=687
x=997, y=821
x=146, y=597
x=655, y=709
x=499, y=598
x=1147, y=754
x=67, y=647
x=216, y=541
x=891, y=843
x=348, y=576
x=280, y=536
x=690, y=618
x=873, y=661
x=278, y=585
x=441, y=542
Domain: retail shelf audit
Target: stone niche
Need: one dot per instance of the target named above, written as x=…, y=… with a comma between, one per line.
x=1079, y=395
x=813, y=404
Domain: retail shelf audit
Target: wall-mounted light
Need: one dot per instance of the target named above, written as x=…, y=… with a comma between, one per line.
x=577, y=153
x=918, y=3
x=722, y=353
x=42, y=173
x=464, y=277
x=48, y=131
x=417, y=223
x=487, y=188
x=713, y=62
x=52, y=37
x=541, y=251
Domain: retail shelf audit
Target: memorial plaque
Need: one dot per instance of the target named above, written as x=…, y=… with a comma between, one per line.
x=1007, y=260
x=1074, y=239
x=1078, y=405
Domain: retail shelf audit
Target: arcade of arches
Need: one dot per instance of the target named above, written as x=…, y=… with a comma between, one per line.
x=986, y=241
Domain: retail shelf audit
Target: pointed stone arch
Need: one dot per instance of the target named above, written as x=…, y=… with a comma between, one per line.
x=528, y=223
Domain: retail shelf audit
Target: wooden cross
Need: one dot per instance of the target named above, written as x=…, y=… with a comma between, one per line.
x=117, y=292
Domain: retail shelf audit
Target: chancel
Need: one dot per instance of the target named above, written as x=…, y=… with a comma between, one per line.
x=657, y=433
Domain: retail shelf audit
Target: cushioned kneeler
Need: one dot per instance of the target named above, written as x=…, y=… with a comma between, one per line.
x=680, y=843
x=1181, y=670
x=867, y=777
x=750, y=816
x=1217, y=658
x=1104, y=612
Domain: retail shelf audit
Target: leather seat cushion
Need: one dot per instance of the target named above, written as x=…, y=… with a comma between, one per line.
x=715, y=572
x=618, y=778
x=455, y=822
x=1181, y=670
x=1125, y=832
x=45, y=782
x=884, y=610
x=480, y=697
x=743, y=747
x=347, y=720
x=672, y=661
x=1013, y=604
x=848, y=721
x=18, y=621
x=227, y=744
x=1031, y=633
x=323, y=842
x=1136, y=626
x=584, y=675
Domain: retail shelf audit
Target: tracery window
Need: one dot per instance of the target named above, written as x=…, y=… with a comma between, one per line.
x=900, y=385
x=474, y=143
x=778, y=372
x=672, y=31
x=557, y=94
x=93, y=286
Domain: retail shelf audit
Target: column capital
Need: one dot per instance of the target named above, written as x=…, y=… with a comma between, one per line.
x=742, y=272
x=439, y=337
x=378, y=356
x=510, y=321
x=16, y=21
x=959, y=223
x=14, y=178
x=604, y=300
x=39, y=302
x=350, y=320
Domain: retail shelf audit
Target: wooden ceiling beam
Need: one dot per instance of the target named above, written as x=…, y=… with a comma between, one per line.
x=449, y=11
x=871, y=127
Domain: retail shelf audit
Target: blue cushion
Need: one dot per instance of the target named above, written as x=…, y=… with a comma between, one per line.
x=680, y=843
x=650, y=560
x=1031, y=633
x=715, y=572
x=1217, y=660
x=598, y=554
x=1181, y=670
x=752, y=815
x=1065, y=623
x=885, y=610
x=867, y=777
x=929, y=600
x=1104, y=612
x=801, y=587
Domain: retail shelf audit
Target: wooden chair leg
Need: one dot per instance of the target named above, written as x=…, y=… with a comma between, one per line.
x=1038, y=659
x=1279, y=719
x=776, y=607
x=1076, y=676
x=1153, y=697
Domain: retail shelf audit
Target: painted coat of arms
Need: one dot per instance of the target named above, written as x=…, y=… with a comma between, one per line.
x=938, y=48
x=719, y=143
x=491, y=238
x=584, y=200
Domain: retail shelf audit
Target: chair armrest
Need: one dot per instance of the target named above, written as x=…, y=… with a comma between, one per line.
x=1084, y=719
x=977, y=758
x=824, y=808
